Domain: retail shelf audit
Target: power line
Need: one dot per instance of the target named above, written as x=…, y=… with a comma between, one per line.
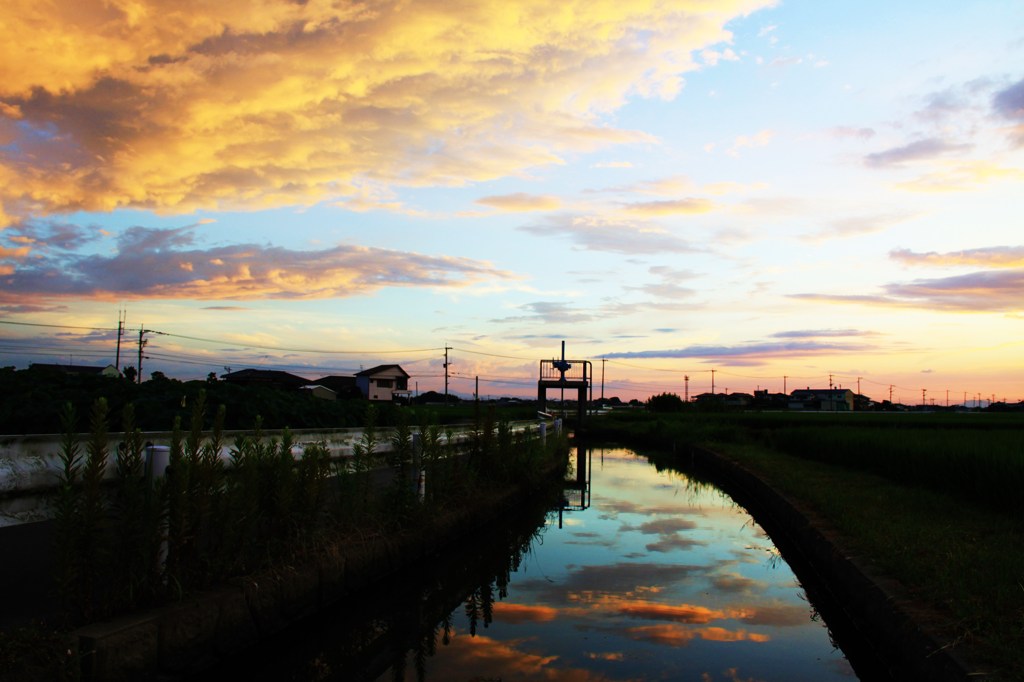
x=87, y=348
x=58, y=326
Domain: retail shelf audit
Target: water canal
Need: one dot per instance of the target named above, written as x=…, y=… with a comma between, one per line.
x=644, y=575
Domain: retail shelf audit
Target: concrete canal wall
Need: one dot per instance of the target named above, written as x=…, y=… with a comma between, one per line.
x=878, y=632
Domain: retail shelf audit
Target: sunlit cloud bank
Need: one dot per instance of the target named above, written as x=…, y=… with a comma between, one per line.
x=598, y=233
x=490, y=658
x=172, y=106
x=752, y=351
x=992, y=257
x=676, y=636
x=998, y=288
x=167, y=264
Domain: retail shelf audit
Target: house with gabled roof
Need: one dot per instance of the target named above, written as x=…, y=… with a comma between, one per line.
x=272, y=378
x=83, y=370
x=822, y=399
x=384, y=382
x=343, y=386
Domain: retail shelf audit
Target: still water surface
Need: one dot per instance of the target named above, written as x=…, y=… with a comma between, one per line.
x=646, y=575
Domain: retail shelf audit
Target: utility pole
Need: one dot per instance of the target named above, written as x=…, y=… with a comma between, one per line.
x=712, y=382
x=603, y=360
x=121, y=315
x=890, y=394
x=446, y=363
x=142, y=344
x=858, y=385
x=924, y=392
x=784, y=390
x=686, y=388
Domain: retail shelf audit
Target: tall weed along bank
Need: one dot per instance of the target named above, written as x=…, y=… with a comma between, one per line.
x=137, y=541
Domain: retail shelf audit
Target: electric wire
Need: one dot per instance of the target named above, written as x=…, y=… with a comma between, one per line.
x=42, y=348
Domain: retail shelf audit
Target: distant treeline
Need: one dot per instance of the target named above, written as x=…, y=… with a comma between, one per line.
x=31, y=401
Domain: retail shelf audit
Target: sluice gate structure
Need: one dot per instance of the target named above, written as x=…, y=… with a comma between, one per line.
x=565, y=374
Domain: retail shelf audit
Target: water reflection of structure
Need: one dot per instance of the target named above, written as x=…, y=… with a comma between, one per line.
x=576, y=492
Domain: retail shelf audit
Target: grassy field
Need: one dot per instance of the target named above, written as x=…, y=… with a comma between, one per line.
x=933, y=501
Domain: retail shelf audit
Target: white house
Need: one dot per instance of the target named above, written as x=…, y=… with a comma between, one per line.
x=384, y=382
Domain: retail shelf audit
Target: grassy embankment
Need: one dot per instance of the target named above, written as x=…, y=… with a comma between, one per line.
x=933, y=501
x=131, y=545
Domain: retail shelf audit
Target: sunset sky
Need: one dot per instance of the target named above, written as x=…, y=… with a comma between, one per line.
x=777, y=191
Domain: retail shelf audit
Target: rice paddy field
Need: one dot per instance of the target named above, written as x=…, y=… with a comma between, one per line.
x=934, y=501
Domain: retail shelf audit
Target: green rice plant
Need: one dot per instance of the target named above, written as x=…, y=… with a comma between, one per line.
x=91, y=544
x=176, y=501
x=400, y=501
x=210, y=484
x=136, y=512
x=431, y=459
x=984, y=466
x=312, y=473
x=278, y=488
x=67, y=517
x=363, y=453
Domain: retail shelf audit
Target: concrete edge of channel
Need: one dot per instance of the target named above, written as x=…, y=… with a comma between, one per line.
x=891, y=643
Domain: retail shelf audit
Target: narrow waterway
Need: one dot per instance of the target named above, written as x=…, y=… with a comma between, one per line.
x=643, y=575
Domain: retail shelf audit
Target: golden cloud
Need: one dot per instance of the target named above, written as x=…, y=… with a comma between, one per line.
x=172, y=106
x=521, y=201
x=961, y=176
x=155, y=264
x=490, y=658
x=523, y=613
x=992, y=257
x=691, y=206
x=684, y=613
x=677, y=635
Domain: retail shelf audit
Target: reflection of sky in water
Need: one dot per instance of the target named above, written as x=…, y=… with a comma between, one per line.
x=658, y=579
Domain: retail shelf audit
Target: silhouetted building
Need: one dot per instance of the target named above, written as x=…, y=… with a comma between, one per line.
x=271, y=378
x=318, y=391
x=83, y=370
x=822, y=399
x=343, y=386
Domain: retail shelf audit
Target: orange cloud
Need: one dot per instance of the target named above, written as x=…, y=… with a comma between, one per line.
x=678, y=636
x=521, y=202
x=489, y=658
x=176, y=105
x=992, y=257
x=691, y=206
x=959, y=176
x=977, y=292
x=159, y=264
x=523, y=613
x=16, y=253
x=684, y=613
